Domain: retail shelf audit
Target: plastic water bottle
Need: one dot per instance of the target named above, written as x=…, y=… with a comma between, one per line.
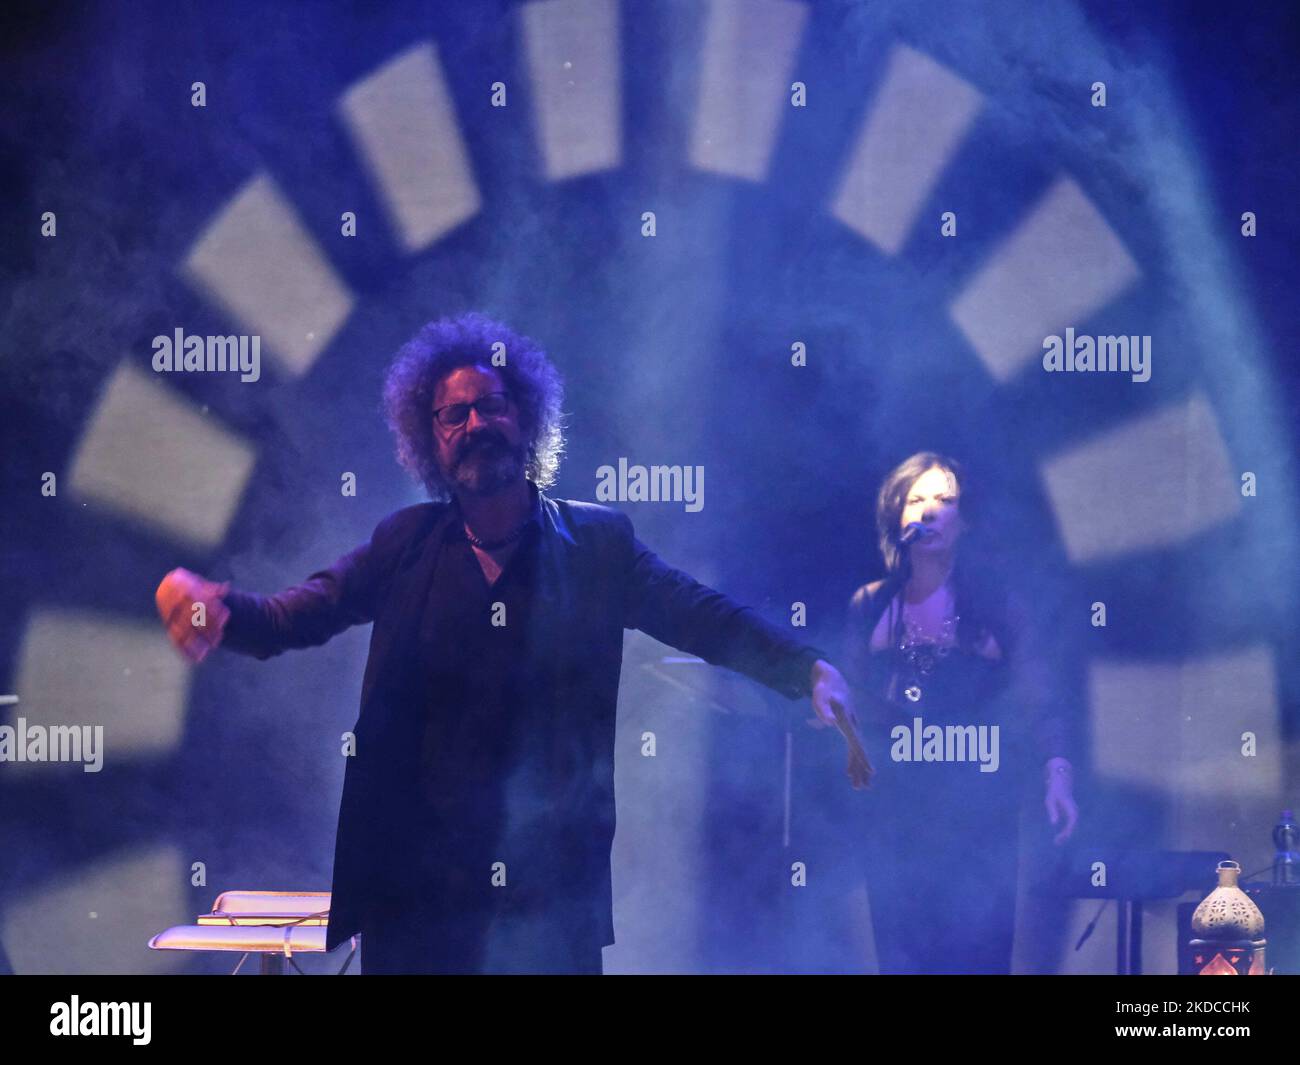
x=1286, y=863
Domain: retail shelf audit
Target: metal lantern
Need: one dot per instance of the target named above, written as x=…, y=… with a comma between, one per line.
x=1228, y=930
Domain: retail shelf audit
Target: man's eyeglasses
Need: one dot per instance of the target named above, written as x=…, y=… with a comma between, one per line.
x=490, y=405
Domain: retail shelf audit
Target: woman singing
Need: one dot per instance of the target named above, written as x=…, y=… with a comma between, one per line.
x=952, y=687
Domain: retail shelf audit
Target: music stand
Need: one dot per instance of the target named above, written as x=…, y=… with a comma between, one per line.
x=1132, y=878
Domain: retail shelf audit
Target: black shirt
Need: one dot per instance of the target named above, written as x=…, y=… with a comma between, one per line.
x=480, y=685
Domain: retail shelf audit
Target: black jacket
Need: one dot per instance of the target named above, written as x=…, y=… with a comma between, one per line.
x=593, y=579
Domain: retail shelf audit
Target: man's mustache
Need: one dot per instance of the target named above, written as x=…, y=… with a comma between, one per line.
x=480, y=442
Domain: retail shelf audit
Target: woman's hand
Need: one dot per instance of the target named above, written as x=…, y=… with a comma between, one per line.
x=1060, y=798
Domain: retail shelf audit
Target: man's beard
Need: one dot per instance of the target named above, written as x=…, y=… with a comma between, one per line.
x=486, y=464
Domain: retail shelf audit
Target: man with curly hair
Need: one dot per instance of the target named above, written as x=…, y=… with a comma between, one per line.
x=477, y=814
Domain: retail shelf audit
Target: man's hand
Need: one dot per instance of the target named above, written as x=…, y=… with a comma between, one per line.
x=194, y=632
x=834, y=706
x=1060, y=798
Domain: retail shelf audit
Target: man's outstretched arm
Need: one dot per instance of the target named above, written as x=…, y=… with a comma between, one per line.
x=678, y=610
x=305, y=615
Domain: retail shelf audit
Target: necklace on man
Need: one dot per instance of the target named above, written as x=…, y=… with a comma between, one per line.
x=492, y=545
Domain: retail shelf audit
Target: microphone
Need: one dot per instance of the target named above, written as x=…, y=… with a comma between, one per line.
x=914, y=531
